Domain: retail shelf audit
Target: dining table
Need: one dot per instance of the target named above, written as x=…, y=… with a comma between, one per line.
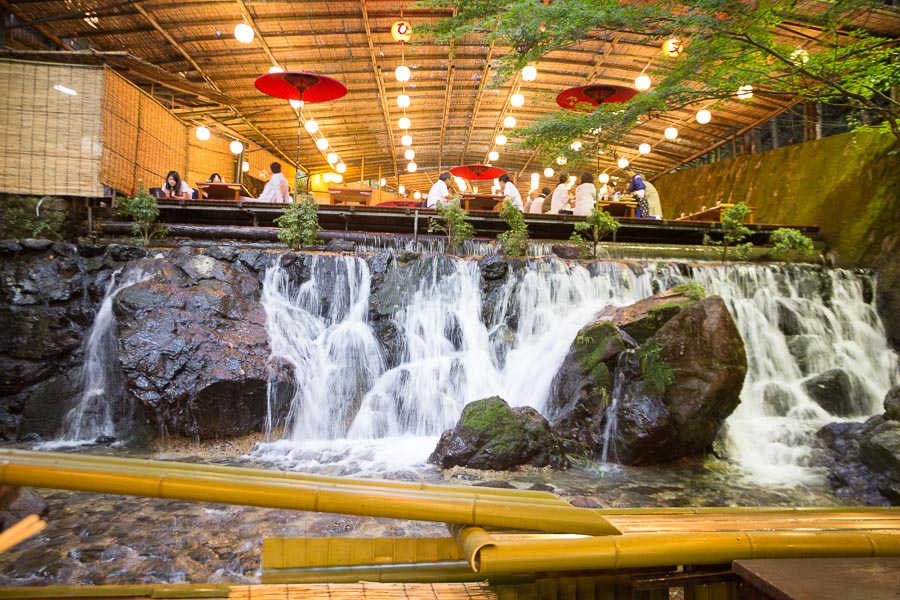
x=618, y=208
x=481, y=201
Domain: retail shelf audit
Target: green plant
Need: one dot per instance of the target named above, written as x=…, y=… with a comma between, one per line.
x=17, y=222
x=144, y=211
x=596, y=225
x=452, y=221
x=658, y=374
x=514, y=240
x=692, y=290
x=733, y=232
x=790, y=245
x=299, y=223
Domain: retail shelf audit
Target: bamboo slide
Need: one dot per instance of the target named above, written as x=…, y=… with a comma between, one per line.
x=232, y=485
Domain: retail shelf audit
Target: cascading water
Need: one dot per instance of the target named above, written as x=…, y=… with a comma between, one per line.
x=101, y=381
x=797, y=323
x=459, y=345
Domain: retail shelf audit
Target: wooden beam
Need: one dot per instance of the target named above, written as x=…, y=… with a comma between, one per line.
x=379, y=81
x=479, y=96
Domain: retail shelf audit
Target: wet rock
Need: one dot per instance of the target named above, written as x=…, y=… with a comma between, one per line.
x=566, y=251
x=584, y=502
x=490, y=435
x=493, y=268
x=892, y=404
x=21, y=504
x=49, y=402
x=833, y=390
x=777, y=401
x=643, y=319
x=339, y=245
x=9, y=247
x=39, y=244
x=851, y=479
x=644, y=430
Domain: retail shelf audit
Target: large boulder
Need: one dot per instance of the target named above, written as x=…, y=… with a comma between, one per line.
x=835, y=391
x=193, y=345
x=491, y=435
x=643, y=319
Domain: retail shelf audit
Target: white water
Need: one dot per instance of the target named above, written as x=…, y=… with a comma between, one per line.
x=92, y=416
x=353, y=412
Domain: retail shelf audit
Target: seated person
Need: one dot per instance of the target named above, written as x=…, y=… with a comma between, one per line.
x=537, y=205
x=174, y=187
x=277, y=188
x=547, y=204
x=214, y=178
x=439, y=192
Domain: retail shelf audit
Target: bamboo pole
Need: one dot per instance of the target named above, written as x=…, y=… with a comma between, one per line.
x=250, y=490
x=21, y=531
x=489, y=553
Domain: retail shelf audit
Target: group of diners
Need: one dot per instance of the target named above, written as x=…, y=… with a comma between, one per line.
x=561, y=202
x=277, y=188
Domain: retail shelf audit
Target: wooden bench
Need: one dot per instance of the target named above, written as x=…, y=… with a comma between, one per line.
x=713, y=213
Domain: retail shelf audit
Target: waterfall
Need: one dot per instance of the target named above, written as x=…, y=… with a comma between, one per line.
x=459, y=342
x=797, y=323
x=101, y=380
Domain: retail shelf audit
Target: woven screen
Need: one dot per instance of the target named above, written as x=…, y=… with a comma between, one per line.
x=206, y=158
x=141, y=139
x=50, y=142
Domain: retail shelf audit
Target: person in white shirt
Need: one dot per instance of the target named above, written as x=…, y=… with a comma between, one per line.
x=585, y=196
x=537, y=204
x=277, y=188
x=439, y=192
x=510, y=191
x=560, y=195
x=174, y=187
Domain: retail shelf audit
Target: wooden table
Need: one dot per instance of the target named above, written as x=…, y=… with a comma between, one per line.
x=618, y=208
x=876, y=578
x=481, y=201
x=361, y=196
x=222, y=191
x=714, y=213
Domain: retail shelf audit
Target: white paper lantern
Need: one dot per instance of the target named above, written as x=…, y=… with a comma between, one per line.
x=409, y=154
x=401, y=189
x=322, y=144
x=340, y=167
x=202, y=133
x=517, y=100
x=332, y=157
x=509, y=122
x=276, y=69
x=704, y=116
x=622, y=162
x=406, y=140
x=411, y=167
x=243, y=33
x=311, y=126
x=403, y=101
x=417, y=195
x=644, y=148
x=245, y=166
x=500, y=139
x=745, y=92
x=493, y=155
x=402, y=73
x=548, y=172
x=671, y=133
x=295, y=104
x=642, y=82
x=529, y=73
x=236, y=147
x=404, y=123
x=604, y=178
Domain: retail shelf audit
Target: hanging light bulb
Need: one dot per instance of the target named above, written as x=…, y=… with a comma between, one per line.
x=417, y=195
x=642, y=82
x=243, y=33
x=509, y=122
x=411, y=167
x=332, y=157
x=406, y=140
x=404, y=123
x=529, y=73
x=745, y=92
x=245, y=166
x=604, y=178
x=202, y=133
x=402, y=73
x=401, y=189
x=644, y=148
x=340, y=167
x=671, y=133
x=704, y=116
x=311, y=126
x=548, y=172
x=622, y=162
x=322, y=144
x=403, y=101
x=517, y=100
x=500, y=139
x=236, y=147
x=382, y=182
x=276, y=69
x=409, y=154
x=493, y=155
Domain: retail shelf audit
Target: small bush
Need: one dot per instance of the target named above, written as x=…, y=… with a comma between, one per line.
x=596, y=226
x=21, y=222
x=790, y=245
x=452, y=221
x=513, y=241
x=143, y=210
x=300, y=223
x=733, y=232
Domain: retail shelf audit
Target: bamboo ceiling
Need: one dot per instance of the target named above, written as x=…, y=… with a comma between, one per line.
x=184, y=53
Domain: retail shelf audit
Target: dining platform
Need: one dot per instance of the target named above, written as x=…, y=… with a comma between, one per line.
x=713, y=213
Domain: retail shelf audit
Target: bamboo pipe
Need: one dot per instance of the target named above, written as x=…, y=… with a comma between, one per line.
x=51, y=472
x=306, y=477
x=457, y=571
x=525, y=553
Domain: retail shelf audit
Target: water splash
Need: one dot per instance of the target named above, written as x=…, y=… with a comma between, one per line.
x=101, y=380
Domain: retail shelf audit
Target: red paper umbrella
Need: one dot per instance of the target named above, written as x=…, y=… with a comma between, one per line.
x=478, y=172
x=297, y=85
x=586, y=97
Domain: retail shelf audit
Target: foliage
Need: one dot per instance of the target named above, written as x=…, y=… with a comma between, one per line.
x=733, y=232
x=452, y=221
x=790, y=245
x=18, y=222
x=658, y=374
x=596, y=226
x=299, y=223
x=692, y=290
x=144, y=211
x=514, y=240
x=727, y=45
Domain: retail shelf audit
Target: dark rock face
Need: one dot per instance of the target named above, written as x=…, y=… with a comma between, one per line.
x=193, y=345
x=643, y=319
x=490, y=435
x=833, y=390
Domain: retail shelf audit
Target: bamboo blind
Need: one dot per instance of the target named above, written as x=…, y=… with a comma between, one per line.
x=49, y=140
x=206, y=158
x=141, y=139
x=364, y=591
